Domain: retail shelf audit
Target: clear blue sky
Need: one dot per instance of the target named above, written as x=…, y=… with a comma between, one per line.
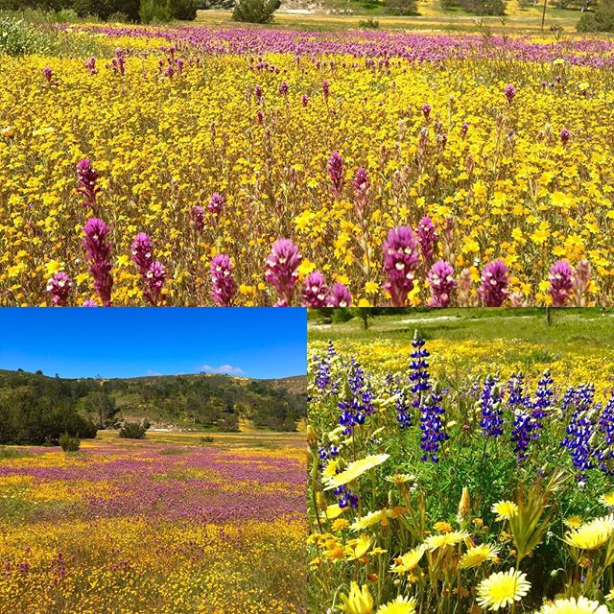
x=130, y=342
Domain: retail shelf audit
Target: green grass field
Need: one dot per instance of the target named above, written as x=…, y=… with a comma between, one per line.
x=577, y=331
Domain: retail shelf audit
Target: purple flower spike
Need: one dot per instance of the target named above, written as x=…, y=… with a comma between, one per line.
x=441, y=280
x=361, y=182
x=154, y=278
x=335, y=171
x=281, y=269
x=426, y=110
x=427, y=236
x=216, y=204
x=59, y=286
x=401, y=259
x=48, y=73
x=142, y=252
x=581, y=281
x=223, y=285
x=561, y=283
x=464, y=129
x=99, y=254
x=340, y=296
x=315, y=292
x=326, y=89
x=87, y=178
x=495, y=279
x=564, y=135
x=197, y=215
x=304, y=100
x=510, y=92
x=89, y=303
x=283, y=89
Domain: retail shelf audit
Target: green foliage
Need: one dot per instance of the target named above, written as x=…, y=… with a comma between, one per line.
x=30, y=417
x=255, y=11
x=369, y=24
x=68, y=443
x=207, y=439
x=132, y=430
x=601, y=20
x=402, y=7
x=156, y=11
x=184, y=9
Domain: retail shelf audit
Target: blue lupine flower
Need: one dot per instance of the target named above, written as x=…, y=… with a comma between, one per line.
x=490, y=404
x=359, y=403
x=402, y=406
x=544, y=398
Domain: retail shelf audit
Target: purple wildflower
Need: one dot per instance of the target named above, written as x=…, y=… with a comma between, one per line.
x=283, y=89
x=142, y=252
x=197, y=215
x=426, y=110
x=154, y=278
x=441, y=281
x=304, y=100
x=561, y=283
x=564, y=135
x=99, y=254
x=48, y=73
x=326, y=89
x=510, y=92
x=401, y=259
x=340, y=296
x=59, y=286
x=427, y=236
x=281, y=269
x=315, y=292
x=490, y=407
x=495, y=279
x=361, y=182
x=91, y=65
x=216, y=204
x=335, y=171
x=581, y=282
x=87, y=178
x=223, y=286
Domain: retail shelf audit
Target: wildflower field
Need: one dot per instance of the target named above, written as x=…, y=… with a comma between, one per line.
x=166, y=525
x=199, y=165
x=448, y=474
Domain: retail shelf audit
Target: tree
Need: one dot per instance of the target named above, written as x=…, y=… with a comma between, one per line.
x=102, y=406
x=255, y=11
x=403, y=7
x=600, y=20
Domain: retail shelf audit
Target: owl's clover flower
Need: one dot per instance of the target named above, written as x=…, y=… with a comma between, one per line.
x=223, y=286
x=401, y=259
x=59, y=286
x=99, y=255
x=494, y=281
x=281, y=269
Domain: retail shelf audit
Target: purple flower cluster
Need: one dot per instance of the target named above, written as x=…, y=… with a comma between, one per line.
x=153, y=274
x=223, y=286
x=494, y=282
x=561, y=283
x=335, y=171
x=87, y=178
x=358, y=402
x=441, y=282
x=490, y=404
x=99, y=256
x=59, y=286
x=401, y=259
x=281, y=270
x=427, y=237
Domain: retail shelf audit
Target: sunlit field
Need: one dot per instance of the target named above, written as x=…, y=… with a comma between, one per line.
x=206, y=165
x=174, y=523
x=462, y=464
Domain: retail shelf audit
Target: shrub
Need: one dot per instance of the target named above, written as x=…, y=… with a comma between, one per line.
x=255, y=11
x=369, y=24
x=207, y=439
x=132, y=430
x=156, y=11
x=601, y=20
x=184, y=9
x=17, y=37
x=68, y=443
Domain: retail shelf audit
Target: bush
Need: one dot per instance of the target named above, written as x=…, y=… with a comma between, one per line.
x=255, y=11
x=17, y=38
x=156, y=11
x=184, y=9
x=601, y=20
x=369, y=24
x=207, y=439
x=132, y=430
x=68, y=443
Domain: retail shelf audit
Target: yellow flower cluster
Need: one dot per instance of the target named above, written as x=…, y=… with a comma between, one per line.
x=509, y=188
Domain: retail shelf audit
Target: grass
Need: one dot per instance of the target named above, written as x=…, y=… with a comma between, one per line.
x=581, y=331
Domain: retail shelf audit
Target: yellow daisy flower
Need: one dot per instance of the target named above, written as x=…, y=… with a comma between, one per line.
x=593, y=534
x=502, y=589
x=401, y=605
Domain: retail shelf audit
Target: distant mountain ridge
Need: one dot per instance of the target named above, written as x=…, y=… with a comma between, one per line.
x=190, y=401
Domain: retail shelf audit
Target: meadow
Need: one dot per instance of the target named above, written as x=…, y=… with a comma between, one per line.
x=462, y=463
x=204, y=165
x=174, y=523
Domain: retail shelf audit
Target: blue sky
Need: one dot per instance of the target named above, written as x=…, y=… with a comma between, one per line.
x=131, y=342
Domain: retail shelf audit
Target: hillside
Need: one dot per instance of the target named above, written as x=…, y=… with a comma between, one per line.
x=201, y=401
